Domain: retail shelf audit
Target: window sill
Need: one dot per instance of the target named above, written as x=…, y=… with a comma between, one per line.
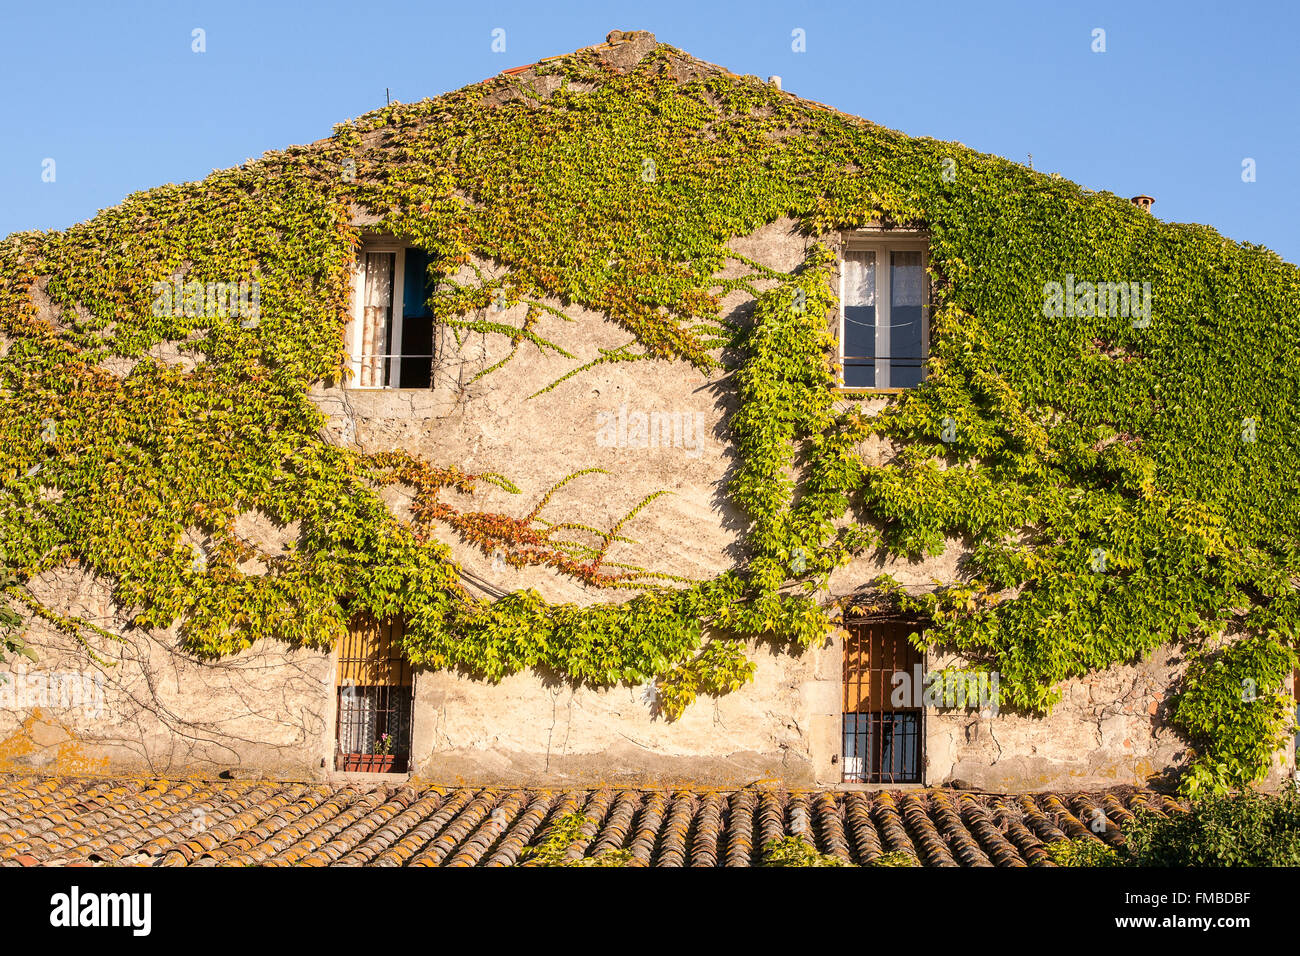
x=877, y=786
x=865, y=390
x=387, y=388
x=361, y=776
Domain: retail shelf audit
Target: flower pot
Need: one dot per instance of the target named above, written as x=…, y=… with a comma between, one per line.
x=372, y=763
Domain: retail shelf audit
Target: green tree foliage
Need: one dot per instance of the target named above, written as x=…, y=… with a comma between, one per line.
x=1245, y=829
x=1242, y=829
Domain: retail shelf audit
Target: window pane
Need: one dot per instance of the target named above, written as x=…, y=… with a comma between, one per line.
x=900, y=735
x=905, y=374
x=859, y=345
x=881, y=736
x=414, y=293
x=906, y=298
x=856, y=749
x=358, y=718
x=860, y=374
x=377, y=313
x=416, y=347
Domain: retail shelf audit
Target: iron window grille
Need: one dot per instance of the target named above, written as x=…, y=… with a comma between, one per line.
x=373, y=727
x=883, y=722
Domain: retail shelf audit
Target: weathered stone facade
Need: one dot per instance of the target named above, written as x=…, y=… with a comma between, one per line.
x=271, y=710
x=144, y=705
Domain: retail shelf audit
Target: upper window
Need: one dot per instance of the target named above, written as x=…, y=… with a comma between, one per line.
x=392, y=330
x=884, y=312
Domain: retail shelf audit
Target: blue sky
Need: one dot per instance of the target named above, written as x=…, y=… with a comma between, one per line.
x=1183, y=93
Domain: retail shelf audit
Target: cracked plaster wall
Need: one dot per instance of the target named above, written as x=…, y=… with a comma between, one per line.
x=271, y=709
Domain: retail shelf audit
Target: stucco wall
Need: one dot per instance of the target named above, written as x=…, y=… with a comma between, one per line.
x=1108, y=728
x=271, y=710
x=152, y=708
x=143, y=704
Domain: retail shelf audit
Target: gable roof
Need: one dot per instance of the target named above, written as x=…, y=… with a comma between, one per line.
x=141, y=822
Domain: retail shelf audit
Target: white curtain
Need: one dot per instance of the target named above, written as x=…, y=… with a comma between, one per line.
x=358, y=716
x=377, y=308
x=860, y=278
x=906, y=280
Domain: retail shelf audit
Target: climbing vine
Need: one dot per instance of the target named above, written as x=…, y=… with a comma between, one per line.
x=1120, y=484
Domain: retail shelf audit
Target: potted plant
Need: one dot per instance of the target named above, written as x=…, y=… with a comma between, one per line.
x=379, y=760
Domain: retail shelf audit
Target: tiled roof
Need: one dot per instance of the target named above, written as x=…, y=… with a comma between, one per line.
x=77, y=820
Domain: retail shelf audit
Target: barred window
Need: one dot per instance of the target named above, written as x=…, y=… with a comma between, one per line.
x=374, y=683
x=883, y=719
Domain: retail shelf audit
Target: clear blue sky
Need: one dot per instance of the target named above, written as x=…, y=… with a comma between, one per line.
x=1184, y=92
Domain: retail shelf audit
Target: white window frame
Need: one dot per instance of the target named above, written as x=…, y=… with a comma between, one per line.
x=882, y=243
x=359, y=300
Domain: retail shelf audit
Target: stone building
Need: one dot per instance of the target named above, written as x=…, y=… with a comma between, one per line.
x=826, y=717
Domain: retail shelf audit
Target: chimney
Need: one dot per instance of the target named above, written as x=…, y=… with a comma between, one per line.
x=1142, y=202
x=775, y=81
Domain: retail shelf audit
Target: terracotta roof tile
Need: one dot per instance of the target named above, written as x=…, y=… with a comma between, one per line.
x=90, y=821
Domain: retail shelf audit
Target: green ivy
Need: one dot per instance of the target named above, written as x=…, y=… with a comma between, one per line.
x=11, y=628
x=553, y=850
x=1082, y=851
x=1234, y=707
x=796, y=851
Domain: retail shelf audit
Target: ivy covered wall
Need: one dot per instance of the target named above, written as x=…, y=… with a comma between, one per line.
x=1122, y=480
